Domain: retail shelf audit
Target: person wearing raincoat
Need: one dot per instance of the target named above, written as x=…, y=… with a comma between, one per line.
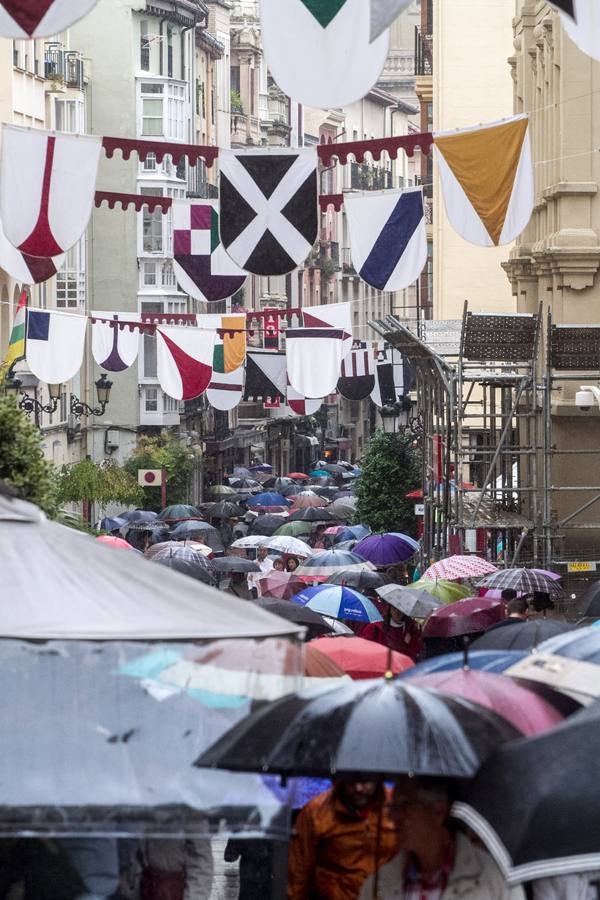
x=175, y=869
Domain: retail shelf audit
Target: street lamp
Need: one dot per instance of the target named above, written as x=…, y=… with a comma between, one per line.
x=79, y=409
x=397, y=415
x=32, y=404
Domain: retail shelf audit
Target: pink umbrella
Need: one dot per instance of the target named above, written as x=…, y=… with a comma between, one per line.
x=274, y=584
x=455, y=567
x=468, y=616
x=524, y=709
x=116, y=542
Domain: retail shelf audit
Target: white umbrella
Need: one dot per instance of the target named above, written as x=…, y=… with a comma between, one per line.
x=250, y=542
x=287, y=544
x=60, y=583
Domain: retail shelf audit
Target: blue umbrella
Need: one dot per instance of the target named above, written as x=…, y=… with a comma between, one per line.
x=497, y=661
x=582, y=644
x=352, y=533
x=138, y=515
x=112, y=523
x=269, y=498
x=340, y=602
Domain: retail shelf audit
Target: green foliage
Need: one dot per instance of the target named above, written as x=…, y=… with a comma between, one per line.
x=236, y=102
x=164, y=451
x=22, y=462
x=103, y=483
x=391, y=468
x=328, y=267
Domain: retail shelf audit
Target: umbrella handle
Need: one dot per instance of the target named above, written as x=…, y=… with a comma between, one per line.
x=378, y=847
x=466, y=643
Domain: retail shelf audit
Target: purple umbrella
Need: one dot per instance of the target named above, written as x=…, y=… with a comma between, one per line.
x=387, y=549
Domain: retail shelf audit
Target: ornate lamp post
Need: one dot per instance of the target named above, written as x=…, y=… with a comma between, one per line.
x=103, y=387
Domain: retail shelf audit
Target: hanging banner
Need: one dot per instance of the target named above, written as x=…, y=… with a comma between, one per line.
x=314, y=357
x=582, y=24
x=384, y=13
x=226, y=390
x=16, y=341
x=266, y=376
x=40, y=18
x=115, y=347
x=27, y=269
x=47, y=184
x=230, y=345
x=331, y=315
x=568, y=6
x=269, y=211
x=184, y=360
x=319, y=51
x=487, y=180
x=388, y=237
x=299, y=405
x=54, y=344
x=202, y=267
x=357, y=378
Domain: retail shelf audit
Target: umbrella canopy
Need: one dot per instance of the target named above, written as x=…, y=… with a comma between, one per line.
x=362, y=659
x=198, y=528
x=187, y=561
x=177, y=512
x=524, y=580
x=414, y=603
x=589, y=605
x=456, y=567
x=294, y=529
x=261, y=467
x=297, y=476
x=289, y=545
x=329, y=562
x=225, y=509
x=250, y=542
x=387, y=549
x=341, y=533
x=138, y=515
x=245, y=484
x=73, y=587
x=138, y=533
x=480, y=660
x=319, y=473
x=116, y=543
x=445, y=591
x=528, y=712
x=339, y=602
x=311, y=514
x=383, y=727
x=275, y=584
x=521, y=635
x=234, y=564
x=268, y=498
x=111, y=523
x=548, y=785
x=220, y=490
x=343, y=508
x=361, y=579
x=333, y=469
x=176, y=546
x=241, y=472
x=266, y=525
x=291, y=490
x=306, y=499
x=468, y=616
x=582, y=645
x=315, y=625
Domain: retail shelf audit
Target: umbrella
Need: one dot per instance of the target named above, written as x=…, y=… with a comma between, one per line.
x=177, y=545
x=261, y=467
x=116, y=542
x=319, y=473
x=311, y=514
x=480, y=660
x=220, y=490
x=234, y=564
x=382, y=727
x=329, y=493
x=466, y=616
x=528, y=712
x=187, y=561
x=289, y=545
x=549, y=787
x=456, y=567
x=446, y=591
x=362, y=659
x=266, y=525
x=315, y=625
x=294, y=529
x=416, y=604
x=241, y=472
x=291, y=490
x=250, y=542
x=344, y=508
x=339, y=602
x=138, y=515
x=275, y=584
x=177, y=512
x=245, y=484
x=589, y=605
x=208, y=533
x=270, y=498
x=582, y=645
x=524, y=580
x=139, y=532
x=521, y=635
x=226, y=510
x=297, y=476
x=333, y=468
x=361, y=579
x=306, y=499
x=111, y=523
x=387, y=549
x=328, y=562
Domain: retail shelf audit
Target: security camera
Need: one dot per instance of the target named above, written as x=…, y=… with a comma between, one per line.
x=586, y=397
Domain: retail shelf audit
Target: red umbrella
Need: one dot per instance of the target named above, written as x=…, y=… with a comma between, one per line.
x=360, y=658
x=466, y=616
x=297, y=476
x=524, y=709
x=116, y=542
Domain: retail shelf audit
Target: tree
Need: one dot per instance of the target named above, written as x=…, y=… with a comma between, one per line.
x=391, y=468
x=22, y=462
x=87, y=481
x=164, y=451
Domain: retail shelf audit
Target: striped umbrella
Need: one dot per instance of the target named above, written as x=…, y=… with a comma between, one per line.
x=525, y=581
x=331, y=561
x=456, y=567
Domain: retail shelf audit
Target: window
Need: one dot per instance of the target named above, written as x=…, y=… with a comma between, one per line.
x=168, y=275
x=176, y=109
x=70, y=281
x=163, y=110
x=152, y=224
x=149, y=164
x=70, y=116
x=149, y=274
x=169, y=52
x=235, y=79
x=151, y=400
x=144, y=47
x=170, y=405
x=152, y=109
x=63, y=406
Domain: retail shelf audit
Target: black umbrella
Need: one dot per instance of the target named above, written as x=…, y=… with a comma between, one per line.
x=315, y=625
x=521, y=635
x=188, y=562
x=225, y=510
x=378, y=727
x=138, y=515
x=290, y=490
x=311, y=514
x=266, y=525
x=361, y=580
x=245, y=484
x=535, y=802
x=177, y=512
x=589, y=605
x=234, y=564
x=138, y=533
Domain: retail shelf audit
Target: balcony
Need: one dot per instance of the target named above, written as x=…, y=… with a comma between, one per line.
x=64, y=67
x=347, y=264
x=370, y=178
x=423, y=53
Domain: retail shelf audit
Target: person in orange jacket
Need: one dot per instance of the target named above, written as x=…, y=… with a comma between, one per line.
x=340, y=838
